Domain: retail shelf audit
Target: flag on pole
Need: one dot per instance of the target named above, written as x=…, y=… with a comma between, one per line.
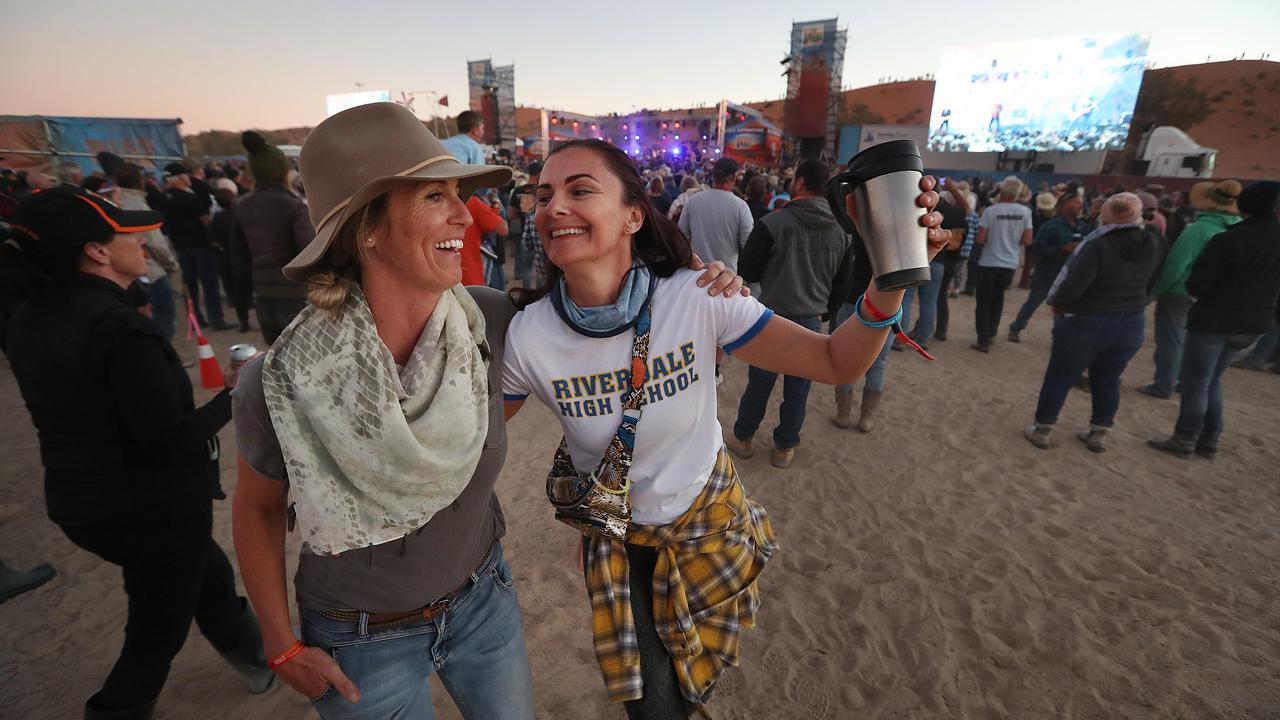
x=444, y=100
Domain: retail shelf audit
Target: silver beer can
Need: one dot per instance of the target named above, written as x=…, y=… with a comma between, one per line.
x=241, y=354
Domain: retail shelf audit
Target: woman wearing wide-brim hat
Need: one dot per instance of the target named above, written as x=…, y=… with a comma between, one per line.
x=370, y=423
x=375, y=422
x=131, y=463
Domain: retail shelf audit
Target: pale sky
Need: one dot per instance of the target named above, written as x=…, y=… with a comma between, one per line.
x=232, y=64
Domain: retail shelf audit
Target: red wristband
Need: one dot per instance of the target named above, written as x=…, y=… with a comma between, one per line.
x=287, y=655
x=896, y=329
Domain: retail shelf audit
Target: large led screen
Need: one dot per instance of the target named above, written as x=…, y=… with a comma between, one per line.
x=1063, y=94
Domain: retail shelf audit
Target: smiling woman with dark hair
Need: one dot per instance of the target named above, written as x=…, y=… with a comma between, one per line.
x=622, y=348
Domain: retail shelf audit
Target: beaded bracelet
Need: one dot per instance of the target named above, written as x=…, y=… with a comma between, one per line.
x=877, y=324
x=294, y=650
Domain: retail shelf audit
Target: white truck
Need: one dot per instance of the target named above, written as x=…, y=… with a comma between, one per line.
x=1170, y=152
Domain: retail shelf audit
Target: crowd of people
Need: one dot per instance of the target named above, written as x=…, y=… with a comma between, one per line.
x=377, y=272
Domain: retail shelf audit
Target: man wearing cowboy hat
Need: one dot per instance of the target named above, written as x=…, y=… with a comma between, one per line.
x=1215, y=203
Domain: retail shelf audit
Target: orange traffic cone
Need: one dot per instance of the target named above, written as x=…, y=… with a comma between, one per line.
x=210, y=372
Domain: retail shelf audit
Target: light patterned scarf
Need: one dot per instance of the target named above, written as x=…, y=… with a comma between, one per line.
x=372, y=453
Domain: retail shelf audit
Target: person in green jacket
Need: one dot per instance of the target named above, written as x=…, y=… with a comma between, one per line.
x=1215, y=203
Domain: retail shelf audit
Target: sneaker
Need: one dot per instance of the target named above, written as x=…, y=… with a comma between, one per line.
x=1038, y=435
x=1015, y=336
x=1151, y=391
x=1094, y=438
x=981, y=347
x=15, y=582
x=741, y=448
x=781, y=459
x=940, y=337
x=1174, y=446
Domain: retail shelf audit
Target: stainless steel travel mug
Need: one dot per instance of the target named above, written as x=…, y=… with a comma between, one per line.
x=884, y=181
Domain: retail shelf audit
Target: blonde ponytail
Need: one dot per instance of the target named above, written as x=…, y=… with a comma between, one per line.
x=327, y=291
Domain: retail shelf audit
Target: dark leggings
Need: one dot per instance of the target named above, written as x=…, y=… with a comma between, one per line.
x=173, y=572
x=662, y=698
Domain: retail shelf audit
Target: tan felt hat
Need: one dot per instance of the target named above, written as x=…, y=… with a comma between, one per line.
x=1217, y=196
x=357, y=155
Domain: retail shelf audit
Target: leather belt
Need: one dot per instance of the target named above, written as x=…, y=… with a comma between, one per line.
x=380, y=621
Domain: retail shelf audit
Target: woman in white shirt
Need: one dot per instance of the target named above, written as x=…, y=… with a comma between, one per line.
x=690, y=568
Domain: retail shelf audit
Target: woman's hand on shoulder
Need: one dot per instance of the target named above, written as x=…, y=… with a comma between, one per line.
x=718, y=279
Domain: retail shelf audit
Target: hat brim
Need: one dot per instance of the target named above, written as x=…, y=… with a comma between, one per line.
x=1201, y=199
x=470, y=178
x=123, y=221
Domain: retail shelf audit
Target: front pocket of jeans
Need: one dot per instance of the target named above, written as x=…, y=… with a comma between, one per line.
x=502, y=575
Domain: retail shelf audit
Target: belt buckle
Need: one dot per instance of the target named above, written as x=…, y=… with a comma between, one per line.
x=433, y=610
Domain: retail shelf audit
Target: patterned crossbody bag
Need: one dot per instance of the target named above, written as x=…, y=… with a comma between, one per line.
x=600, y=503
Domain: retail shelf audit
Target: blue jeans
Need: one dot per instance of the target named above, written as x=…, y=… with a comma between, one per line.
x=163, y=311
x=1037, y=294
x=1204, y=358
x=200, y=275
x=1102, y=344
x=927, y=322
x=1171, y=331
x=874, y=379
x=477, y=646
x=795, y=398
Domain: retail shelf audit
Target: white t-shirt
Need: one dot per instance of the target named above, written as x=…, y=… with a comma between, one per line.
x=1005, y=223
x=582, y=379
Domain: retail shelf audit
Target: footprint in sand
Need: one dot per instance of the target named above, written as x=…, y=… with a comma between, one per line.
x=812, y=700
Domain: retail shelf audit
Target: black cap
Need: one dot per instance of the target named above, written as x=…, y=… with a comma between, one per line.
x=175, y=168
x=534, y=168
x=66, y=217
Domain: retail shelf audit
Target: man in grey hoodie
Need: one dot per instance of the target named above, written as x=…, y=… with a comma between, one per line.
x=803, y=261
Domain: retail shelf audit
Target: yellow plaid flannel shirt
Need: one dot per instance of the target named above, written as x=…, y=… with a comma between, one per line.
x=704, y=588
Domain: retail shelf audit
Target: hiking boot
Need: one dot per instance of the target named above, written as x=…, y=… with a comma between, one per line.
x=1015, y=336
x=844, y=408
x=741, y=448
x=781, y=459
x=1174, y=446
x=866, y=413
x=1206, y=451
x=1094, y=438
x=1038, y=435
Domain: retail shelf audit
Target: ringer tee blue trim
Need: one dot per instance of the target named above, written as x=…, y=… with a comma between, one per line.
x=755, y=330
x=506, y=396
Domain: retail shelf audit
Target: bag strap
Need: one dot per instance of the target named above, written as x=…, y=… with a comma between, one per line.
x=623, y=443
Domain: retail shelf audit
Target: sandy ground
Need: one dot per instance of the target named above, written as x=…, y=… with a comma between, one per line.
x=940, y=567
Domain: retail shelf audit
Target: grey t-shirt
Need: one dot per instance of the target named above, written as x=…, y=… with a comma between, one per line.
x=718, y=224
x=1005, y=223
x=416, y=570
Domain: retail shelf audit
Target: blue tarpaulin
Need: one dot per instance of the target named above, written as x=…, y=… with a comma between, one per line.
x=51, y=140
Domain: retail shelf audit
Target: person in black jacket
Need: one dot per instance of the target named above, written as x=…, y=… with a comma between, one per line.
x=1099, y=316
x=186, y=208
x=131, y=464
x=1236, y=284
